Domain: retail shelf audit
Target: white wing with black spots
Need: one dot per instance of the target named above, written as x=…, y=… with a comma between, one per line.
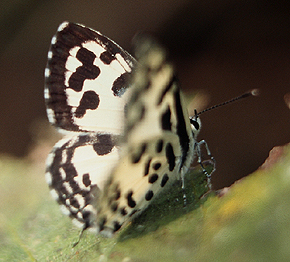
x=85, y=80
x=77, y=169
x=85, y=94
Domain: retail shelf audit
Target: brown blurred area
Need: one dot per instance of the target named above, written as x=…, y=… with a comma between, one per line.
x=221, y=48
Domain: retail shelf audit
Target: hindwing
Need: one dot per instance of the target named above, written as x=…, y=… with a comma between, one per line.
x=158, y=142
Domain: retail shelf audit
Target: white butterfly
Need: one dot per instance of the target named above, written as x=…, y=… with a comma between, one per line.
x=109, y=167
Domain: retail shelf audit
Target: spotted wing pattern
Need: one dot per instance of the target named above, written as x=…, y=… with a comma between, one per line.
x=85, y=94
x=158, y=144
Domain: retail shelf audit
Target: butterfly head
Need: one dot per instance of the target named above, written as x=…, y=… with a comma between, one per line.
x=195, y=124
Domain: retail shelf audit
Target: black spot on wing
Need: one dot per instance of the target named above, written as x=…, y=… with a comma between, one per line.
x=149, y=195
x=117, y=226
x=159, y=145
x=164, y=180
x=131, y=202
x=86, y=180
x=73, y=202
x=117, y=194
x=153, y=178
x=106, y=57
x=86, y=71
x=141, y=112
x=166, y=120
x=123, y=211
x=86, y=217
x=120, y=84
x=166, y=89
x=102, y=222
x=157, y=165
x=137, y=156
x=147, y=166
x=170, y=156
x=104, y=145
x=114, y=207
x=90, y=100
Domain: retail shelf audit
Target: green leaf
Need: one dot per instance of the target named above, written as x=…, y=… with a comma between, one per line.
x=249, y=223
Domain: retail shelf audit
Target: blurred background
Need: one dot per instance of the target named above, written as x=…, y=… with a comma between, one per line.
x=221, y=48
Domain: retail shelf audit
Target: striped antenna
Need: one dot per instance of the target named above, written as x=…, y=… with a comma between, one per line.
x=253, y=92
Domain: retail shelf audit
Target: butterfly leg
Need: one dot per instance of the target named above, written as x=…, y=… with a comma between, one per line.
x=197, y=148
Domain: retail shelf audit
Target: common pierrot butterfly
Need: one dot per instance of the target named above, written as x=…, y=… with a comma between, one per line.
x=127, y=135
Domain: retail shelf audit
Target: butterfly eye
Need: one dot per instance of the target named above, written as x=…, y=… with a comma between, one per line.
x=194, y=123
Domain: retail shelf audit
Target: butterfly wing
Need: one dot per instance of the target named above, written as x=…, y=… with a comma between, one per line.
x=85, y=80
x=85, y=94
x=158, y=142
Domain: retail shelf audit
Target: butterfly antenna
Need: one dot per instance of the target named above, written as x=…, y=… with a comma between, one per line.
x=253, y=92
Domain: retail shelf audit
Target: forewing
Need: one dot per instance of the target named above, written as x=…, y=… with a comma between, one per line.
x=85, y=80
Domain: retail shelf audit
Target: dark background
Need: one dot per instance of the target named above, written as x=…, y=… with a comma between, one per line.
x=221, y=48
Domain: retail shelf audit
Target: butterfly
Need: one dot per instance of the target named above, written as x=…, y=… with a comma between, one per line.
x=127, y=130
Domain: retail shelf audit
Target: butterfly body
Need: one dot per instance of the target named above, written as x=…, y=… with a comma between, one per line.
x=125, y=140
